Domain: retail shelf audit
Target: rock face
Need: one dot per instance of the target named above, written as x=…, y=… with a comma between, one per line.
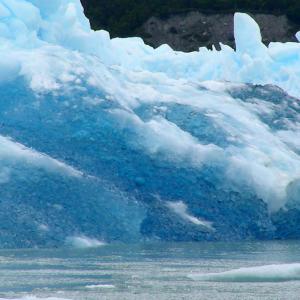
x=189, y=31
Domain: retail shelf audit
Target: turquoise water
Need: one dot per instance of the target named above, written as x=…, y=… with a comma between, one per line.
x=148, y=271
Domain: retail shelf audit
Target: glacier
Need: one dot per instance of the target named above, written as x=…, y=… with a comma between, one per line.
x=113, y=140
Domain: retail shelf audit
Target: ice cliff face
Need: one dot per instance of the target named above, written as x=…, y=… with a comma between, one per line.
x=113, y=140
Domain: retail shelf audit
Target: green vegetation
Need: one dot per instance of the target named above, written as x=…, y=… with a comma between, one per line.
x=124, y=17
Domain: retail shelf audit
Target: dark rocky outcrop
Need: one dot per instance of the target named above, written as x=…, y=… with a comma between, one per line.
x=188, y=25
x=189, y=31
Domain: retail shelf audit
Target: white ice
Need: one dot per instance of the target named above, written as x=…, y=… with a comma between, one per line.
x=181, y=209
x=36, y=24
x=11, y=151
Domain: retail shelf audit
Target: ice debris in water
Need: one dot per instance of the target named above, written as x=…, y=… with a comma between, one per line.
x=112, y=130
x=268, y=273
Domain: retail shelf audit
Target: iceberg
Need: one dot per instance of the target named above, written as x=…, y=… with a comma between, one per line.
x=104, y=137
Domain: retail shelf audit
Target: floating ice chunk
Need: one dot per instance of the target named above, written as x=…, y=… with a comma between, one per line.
x=298, y=36
x=269, y=273
x=83, y=242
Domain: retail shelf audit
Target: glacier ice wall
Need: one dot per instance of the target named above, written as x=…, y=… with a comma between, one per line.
x=114, y=140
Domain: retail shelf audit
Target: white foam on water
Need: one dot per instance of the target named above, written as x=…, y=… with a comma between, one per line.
x=268, y=273
x=100, y=286
x=34, y=298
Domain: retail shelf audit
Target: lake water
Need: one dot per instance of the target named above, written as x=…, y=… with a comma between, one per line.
x=152, y=271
